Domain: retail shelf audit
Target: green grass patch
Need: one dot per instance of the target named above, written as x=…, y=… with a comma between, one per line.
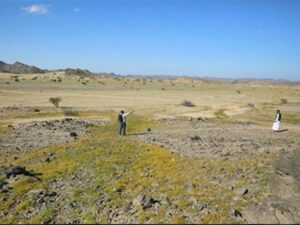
x=44, y=216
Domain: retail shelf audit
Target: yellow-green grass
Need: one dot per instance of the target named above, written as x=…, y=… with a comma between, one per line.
x=116, y=163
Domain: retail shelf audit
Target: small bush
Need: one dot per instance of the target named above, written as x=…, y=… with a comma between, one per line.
x=283, y=101
x=238, y=91
x=55, y=101
x=188, y=103
x=34, y=78
x=220, y=113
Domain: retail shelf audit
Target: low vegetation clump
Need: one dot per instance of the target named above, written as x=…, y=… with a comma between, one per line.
x=187, y=103
x=55, y=101
x=220, y=113
x=283, y=101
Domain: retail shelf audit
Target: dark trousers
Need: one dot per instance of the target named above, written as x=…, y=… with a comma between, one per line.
x=122, y=128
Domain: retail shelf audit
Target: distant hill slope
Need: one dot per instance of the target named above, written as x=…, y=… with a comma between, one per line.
x=79, y=72
x=21, y=68
x=18, y=67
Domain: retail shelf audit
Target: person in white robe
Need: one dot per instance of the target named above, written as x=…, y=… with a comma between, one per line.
x=276, y=124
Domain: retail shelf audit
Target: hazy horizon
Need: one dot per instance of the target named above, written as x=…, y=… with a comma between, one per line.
x=222, y=39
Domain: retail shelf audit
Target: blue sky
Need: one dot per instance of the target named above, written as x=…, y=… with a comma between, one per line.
x=259, y=39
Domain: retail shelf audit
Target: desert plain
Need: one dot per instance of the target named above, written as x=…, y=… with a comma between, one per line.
x=196, y=150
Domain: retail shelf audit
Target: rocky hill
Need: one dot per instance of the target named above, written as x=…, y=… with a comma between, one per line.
x=79, y=72
x=18, y=67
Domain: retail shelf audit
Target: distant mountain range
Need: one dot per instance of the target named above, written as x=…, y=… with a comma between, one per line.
x=18, y=67
x=21, y=68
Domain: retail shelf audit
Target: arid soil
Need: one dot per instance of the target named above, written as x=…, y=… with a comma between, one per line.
x=199, y=137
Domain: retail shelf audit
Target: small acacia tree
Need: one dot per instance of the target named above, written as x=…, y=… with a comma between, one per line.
x=55, y=101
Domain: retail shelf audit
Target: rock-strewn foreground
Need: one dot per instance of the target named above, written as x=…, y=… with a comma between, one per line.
x=283, y=206
x=193, y=171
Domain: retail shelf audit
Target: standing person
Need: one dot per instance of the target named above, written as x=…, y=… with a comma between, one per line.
x=122, y=119
x=276, y=124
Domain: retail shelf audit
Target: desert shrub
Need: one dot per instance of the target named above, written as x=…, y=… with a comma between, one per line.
x=250, y=104
x=238, y=91
x=69, y=111
x=220, y=113
x=187, y=103
x=55, y=101
x=163, y=89
x=84, y=83
x=34, y=78
x=16, y=79
x=283, y=101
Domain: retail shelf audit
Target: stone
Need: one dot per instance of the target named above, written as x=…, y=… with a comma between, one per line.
x=200, y=206
x=256, y=213
x=241, y=191
x=16, y=170
x=73, y=134
x=235, y=213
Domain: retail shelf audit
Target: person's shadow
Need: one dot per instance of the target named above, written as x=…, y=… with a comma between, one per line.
x=282, y=130
x=141, y=133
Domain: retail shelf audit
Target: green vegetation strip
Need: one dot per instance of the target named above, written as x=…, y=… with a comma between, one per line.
x=121, y=168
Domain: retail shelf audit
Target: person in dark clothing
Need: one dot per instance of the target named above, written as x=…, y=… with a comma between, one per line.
x=122, y=120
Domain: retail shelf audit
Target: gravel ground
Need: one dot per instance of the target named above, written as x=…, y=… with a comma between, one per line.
x=202, y=138
x=45, y=133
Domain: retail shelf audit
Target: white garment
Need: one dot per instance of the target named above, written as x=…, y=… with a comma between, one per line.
x=276, y=126
x=124, y=116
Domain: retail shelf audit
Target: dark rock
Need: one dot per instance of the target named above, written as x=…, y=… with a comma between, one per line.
x=2, y=184
x=47, y=159
x=73, y=134
x=195, y=138
x=144, y=202
x=235, y=213
x=51, y=194
x=16, y=170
